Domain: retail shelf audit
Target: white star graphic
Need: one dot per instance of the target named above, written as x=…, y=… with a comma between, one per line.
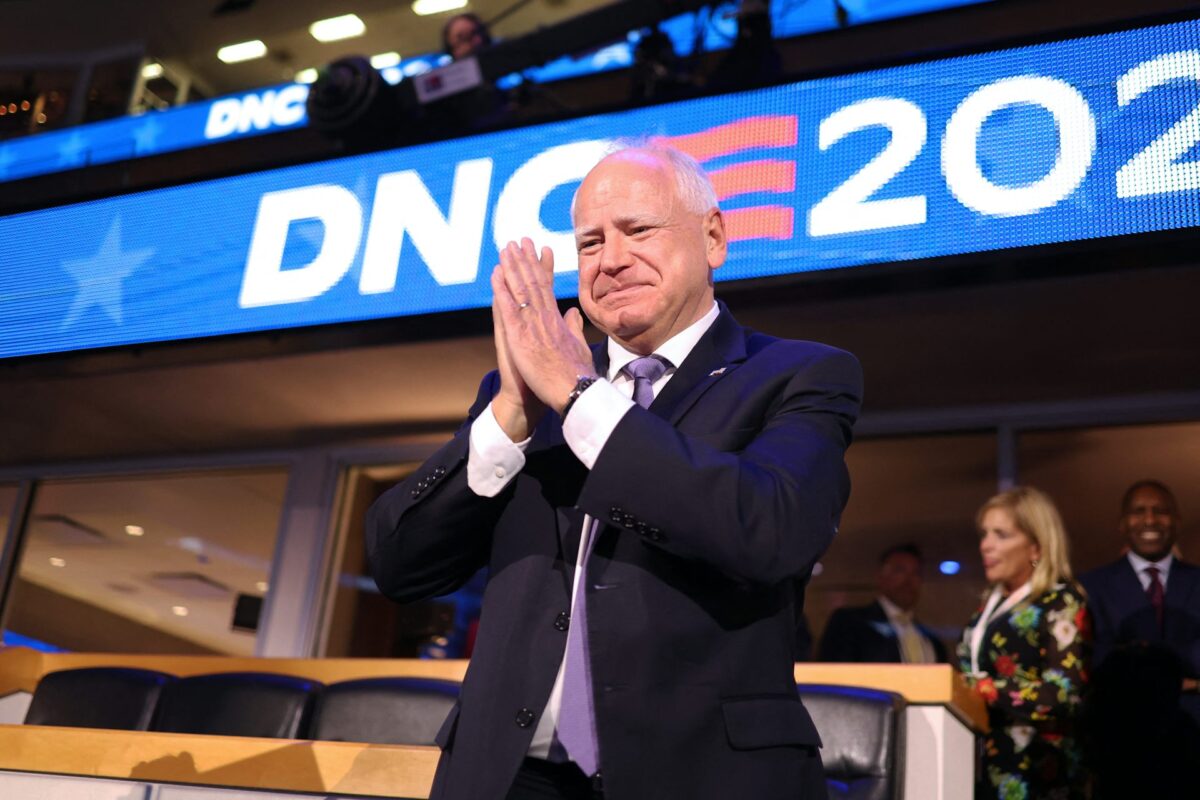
x=70, y=152
x=145, y=136
x=100, y=276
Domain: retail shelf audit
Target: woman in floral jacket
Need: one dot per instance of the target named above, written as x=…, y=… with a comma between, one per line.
x=1026, y=650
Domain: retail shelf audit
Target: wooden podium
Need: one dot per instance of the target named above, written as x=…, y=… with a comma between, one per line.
x=51, y=763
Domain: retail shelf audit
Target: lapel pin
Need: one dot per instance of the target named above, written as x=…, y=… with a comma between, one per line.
x=720, y=371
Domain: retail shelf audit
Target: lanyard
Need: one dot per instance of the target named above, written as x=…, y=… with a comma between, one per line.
x=990, y=612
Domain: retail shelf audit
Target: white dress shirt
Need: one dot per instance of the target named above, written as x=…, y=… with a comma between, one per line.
x=494, y=459
x=1140, y=565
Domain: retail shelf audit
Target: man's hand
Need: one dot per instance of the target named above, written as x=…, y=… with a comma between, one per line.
x=545, y=350
x=516, y=408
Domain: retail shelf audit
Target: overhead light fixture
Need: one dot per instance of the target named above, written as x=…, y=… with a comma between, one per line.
x=262, y=586
x=426, y=7
x=334, y=29
x=242, y=51
x=307, y=75
x=152, y=70
x=179, y=611
x=55, y=561
x=385, y=60
x=135, y=530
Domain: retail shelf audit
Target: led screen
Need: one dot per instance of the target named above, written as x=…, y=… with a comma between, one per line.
x=1056, y=142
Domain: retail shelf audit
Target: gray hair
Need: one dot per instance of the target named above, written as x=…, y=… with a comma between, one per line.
x=692, y=184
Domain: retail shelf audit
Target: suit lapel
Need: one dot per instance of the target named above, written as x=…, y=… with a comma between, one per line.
x=1181, y=584
x=719, y=351
x=1129, y=594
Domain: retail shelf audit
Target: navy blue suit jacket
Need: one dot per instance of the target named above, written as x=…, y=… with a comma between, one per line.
x=714, y=504
x=1121, y=613
x=863, y=634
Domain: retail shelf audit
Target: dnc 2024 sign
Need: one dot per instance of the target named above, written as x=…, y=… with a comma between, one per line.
x=1070, y=140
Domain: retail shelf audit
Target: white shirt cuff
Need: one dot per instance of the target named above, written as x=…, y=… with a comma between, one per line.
x=592, y=420
x=493, y=459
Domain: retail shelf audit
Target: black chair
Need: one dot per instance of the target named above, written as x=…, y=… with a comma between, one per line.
x=383, y=710
x=97, y=697
x=862, y=731
x=237, y=704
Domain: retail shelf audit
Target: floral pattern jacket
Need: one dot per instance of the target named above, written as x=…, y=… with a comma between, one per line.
x=1033, y=667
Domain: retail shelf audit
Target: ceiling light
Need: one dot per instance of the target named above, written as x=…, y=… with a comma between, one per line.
x=135, y=530
x=385, y=60
x=346, y=26
x=423, y=7
x=307, y=75
x=262, y=586
x=55, y=561
x=242, y=51
x=179, y=611
x=152, y=70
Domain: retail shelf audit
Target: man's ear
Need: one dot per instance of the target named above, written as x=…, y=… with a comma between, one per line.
x=716, y=244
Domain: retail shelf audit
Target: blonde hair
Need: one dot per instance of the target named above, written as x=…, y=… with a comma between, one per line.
x=1034, y=515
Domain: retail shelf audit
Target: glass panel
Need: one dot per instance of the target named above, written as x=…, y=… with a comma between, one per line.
x=155, y=563
x=1087, y=470
x=923, y=490
x=362, y=623
x=8, y=499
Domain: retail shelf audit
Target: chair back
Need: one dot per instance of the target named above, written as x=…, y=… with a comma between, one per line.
x=237, y=704
x=383, y=710
x=97, y=697
x=863, y=735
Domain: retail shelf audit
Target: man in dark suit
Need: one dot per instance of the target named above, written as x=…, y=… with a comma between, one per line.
x=885, y=630
x=1148, y=595
x=648, y=511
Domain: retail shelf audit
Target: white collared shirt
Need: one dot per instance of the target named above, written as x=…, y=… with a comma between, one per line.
x=1141, y=565
x=494, y=459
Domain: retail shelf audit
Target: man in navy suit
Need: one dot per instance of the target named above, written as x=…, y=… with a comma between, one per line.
x=655, y=503
x=885, y=630
x=1148, y=595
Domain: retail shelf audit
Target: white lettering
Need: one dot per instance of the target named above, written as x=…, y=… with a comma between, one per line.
x=289, y=105
x=449, y=244
x=222, y=118
x=265, y=281
x=519, y=208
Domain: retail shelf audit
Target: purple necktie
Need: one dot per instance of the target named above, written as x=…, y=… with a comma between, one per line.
x=576, y=730
x=1156, y=595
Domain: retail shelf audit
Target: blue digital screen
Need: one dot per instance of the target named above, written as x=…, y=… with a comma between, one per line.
x=281, y=107
x=1057, y=142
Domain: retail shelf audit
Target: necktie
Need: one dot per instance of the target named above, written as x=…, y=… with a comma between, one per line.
x=576, y=731
x=645, y=371
x=1157, y=597
x=912, y=650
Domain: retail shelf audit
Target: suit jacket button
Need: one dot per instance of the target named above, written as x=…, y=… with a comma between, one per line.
x=525, y=718
x=629, y=520
x=562, y=621
x=616, y=515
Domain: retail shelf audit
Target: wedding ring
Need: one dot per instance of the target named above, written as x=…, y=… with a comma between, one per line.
x=522, y=306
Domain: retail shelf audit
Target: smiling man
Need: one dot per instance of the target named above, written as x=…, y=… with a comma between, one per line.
x=649, y=510
x=1149, y=595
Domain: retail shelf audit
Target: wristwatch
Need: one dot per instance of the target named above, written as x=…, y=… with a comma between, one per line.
x=582, y=382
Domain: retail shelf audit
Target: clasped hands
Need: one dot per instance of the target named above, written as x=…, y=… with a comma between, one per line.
x=541, y=353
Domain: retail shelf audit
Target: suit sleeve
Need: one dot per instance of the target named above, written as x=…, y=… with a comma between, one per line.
x=428, y=534
x=1104, y=633
x=761, y=515
x=837, y=641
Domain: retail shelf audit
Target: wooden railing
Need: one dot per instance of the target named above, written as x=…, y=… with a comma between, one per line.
x=323, y=767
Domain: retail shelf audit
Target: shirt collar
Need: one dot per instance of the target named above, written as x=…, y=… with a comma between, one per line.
x=893, y=611
x=675, y=349
x=1140, y=564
